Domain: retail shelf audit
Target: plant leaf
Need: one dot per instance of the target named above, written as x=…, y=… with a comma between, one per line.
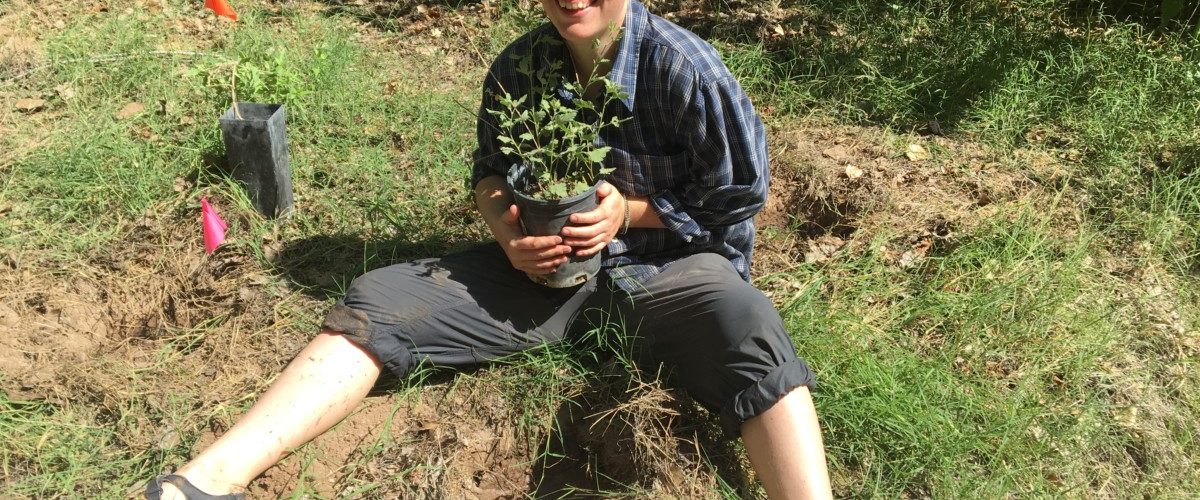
x=597, y=155
x=557, y=190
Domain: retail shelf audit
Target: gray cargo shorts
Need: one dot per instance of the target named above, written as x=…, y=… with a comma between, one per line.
x=718, y=337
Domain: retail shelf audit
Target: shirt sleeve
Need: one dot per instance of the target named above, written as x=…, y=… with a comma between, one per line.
x=729, y=173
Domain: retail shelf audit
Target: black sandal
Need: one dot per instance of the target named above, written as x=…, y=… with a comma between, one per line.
x=154, y=489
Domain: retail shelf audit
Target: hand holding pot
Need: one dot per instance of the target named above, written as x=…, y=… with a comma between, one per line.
x=590, y=232
x=531, y=254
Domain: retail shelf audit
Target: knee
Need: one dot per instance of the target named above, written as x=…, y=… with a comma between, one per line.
x=737, y=339
x=364, y=285
x=735, y=335
x=371, y=284
x=739, y=313
x=386, y=293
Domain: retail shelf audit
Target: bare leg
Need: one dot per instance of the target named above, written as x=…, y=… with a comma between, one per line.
x=318, y=389
x=785, y=448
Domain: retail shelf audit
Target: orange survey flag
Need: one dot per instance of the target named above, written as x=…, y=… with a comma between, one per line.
x=221, y=7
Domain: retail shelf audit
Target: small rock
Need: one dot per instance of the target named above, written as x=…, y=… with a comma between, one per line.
x=916, y=152
x=853, y=172
x=494, y=494
x=8, y=317
x=130, y=110
x=168, y=439
x=837, y=153
x=821, y=249
x=1126, y=416
x=65, y=91
x=30, y=105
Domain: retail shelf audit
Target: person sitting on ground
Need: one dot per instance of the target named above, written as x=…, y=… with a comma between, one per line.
x=675, y=227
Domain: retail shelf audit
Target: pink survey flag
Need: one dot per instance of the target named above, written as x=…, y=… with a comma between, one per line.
x=214, y=227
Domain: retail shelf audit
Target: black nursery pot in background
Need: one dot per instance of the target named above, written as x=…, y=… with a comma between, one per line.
x=547, y=218
x=257, y=149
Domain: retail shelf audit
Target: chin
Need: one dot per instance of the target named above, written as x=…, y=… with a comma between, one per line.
x=576, y=33
x=587, y=24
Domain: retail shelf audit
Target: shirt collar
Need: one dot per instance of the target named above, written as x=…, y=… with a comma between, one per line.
x=625, y=64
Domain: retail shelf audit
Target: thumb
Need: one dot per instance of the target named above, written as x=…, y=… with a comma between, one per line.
x=510, y=216
x=604, y=190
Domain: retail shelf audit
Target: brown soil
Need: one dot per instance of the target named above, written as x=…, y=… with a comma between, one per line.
x=81, y=333
x=439, y=444
x=838, y=188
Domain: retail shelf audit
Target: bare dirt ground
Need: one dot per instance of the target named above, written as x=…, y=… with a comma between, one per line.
x=837, y=188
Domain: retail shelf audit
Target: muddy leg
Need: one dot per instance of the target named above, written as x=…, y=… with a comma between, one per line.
x=318, y=389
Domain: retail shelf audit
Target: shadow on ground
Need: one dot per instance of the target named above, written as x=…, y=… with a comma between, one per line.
x=324, y=265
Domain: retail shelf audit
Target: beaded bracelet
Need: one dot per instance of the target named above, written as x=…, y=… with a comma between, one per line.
x=628, y=217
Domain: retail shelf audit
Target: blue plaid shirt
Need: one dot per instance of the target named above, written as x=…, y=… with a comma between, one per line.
x=692, y=144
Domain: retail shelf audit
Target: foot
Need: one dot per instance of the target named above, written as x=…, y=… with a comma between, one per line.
x=177, y=487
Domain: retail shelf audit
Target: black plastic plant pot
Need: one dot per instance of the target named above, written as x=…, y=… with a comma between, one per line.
x=547, y=218
x=257, y=149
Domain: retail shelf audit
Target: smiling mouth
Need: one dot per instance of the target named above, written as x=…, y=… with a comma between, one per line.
x=574, y=5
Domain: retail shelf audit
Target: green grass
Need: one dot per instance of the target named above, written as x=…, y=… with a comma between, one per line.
x=1113, y=94
x=971, y=375
x=48, y=451
x=1033, y=355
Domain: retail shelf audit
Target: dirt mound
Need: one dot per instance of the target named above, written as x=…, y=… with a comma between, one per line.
x=151, y=325
x=839, y=188
x=618, y=433
x=438, y=444
x=627, y=432
x=18, y=55
x=154, y=286
x=66, y=322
